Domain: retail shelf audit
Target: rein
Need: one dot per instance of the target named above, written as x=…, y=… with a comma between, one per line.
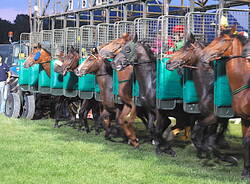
x=236, y=91
x=44, y=62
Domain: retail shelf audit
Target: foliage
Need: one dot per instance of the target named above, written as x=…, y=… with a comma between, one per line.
x=21, y=24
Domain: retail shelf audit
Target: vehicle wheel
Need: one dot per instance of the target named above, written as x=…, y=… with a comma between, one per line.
x=13, y=105
x=28, y=107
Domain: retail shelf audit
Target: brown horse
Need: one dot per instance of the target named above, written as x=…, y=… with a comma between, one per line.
x=203, y=77
x=229, y=47
x=67, y=63
x=44, y=59
x=98, y=64
x=246, y=51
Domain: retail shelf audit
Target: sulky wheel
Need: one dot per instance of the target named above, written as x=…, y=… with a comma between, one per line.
x=28, y=107
x=13, y=105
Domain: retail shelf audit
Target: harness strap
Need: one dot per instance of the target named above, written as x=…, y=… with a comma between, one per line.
x=122, y=81
x=142, y=62
x=241, y=89
x=44, y=62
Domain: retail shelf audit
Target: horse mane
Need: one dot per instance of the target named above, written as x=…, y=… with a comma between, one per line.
x=47, y=51
x=240, y=37
x=148, y=50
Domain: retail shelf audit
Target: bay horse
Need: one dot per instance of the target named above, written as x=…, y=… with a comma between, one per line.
x=98, y=64
x=64, y=105
x=68, y=63
x=229, y=47
x=246, y=51
x=205, y=135
x=140, y=56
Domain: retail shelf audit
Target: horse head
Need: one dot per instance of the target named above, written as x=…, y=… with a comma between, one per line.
x=111, y=49
x=102, y=53
x=133, y=52
x=70, y=61
x=126, y=56
x=91, y=64
x=44, y=57
x=219, y=47
x=187, y=55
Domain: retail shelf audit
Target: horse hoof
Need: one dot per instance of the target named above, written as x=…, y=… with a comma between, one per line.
x=158, y=151
x=234, y=161
x=245, y=174
x=154, y=142
x=170, y=152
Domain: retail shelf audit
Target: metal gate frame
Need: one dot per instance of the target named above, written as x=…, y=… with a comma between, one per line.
x=72, y=38
x=46, y=40
x=105, y=33
x=58, y=41
x=163, y=39
x=124, y=27
x=88, y=35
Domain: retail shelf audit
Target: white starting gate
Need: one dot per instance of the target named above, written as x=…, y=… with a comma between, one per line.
x=72, y=38
x=105, y=33
x=88, y=39
x=202, y=25
x=58, y=41
x=46, y=40
x=238, y=17
x=122, y=27
x=170, y=32
x=146, y=29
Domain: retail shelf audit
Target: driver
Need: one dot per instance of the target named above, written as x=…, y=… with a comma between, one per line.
x=4, y=78
x=177, y=39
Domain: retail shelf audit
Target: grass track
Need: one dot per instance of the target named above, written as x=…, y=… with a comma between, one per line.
x=34, y=152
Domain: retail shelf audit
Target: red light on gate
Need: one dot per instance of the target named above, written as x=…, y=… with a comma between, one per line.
x=10, y=34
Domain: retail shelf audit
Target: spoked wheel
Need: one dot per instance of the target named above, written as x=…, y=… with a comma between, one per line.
x=28, y=107
x=13, y=105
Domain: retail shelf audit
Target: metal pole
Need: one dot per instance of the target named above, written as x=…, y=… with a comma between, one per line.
x=221, y=4
x=64, y=21
x=191, y=5
x=107, y=15
x=166, y=6
x=144, y=10
x=91, y=21
x=53, y=20
x=249, y=22
x=77, y=20
x=125, y=12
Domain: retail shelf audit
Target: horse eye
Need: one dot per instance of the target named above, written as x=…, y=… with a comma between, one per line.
x=128, y=50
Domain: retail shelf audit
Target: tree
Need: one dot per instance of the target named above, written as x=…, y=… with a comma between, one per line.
x=21, y=25
x=5, y=27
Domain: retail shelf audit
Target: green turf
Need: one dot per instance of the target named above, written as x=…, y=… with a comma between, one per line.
x=34, y=152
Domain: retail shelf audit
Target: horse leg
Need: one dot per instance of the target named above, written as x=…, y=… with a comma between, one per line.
x=96, y=115
x=162, y=124
x=127, y=126
x=246, y=146
x=105, y=119
x=220, y=140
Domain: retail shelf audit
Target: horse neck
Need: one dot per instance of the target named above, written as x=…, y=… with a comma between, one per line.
x=46, y=67
x=104, y=79
x=238, y=69
x=146, y=74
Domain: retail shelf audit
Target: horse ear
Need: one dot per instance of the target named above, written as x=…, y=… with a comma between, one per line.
x=126, y=37
x=94, y=51
x=135, y=38
x=39, y=46
x=191, y=38
x=233, y=29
